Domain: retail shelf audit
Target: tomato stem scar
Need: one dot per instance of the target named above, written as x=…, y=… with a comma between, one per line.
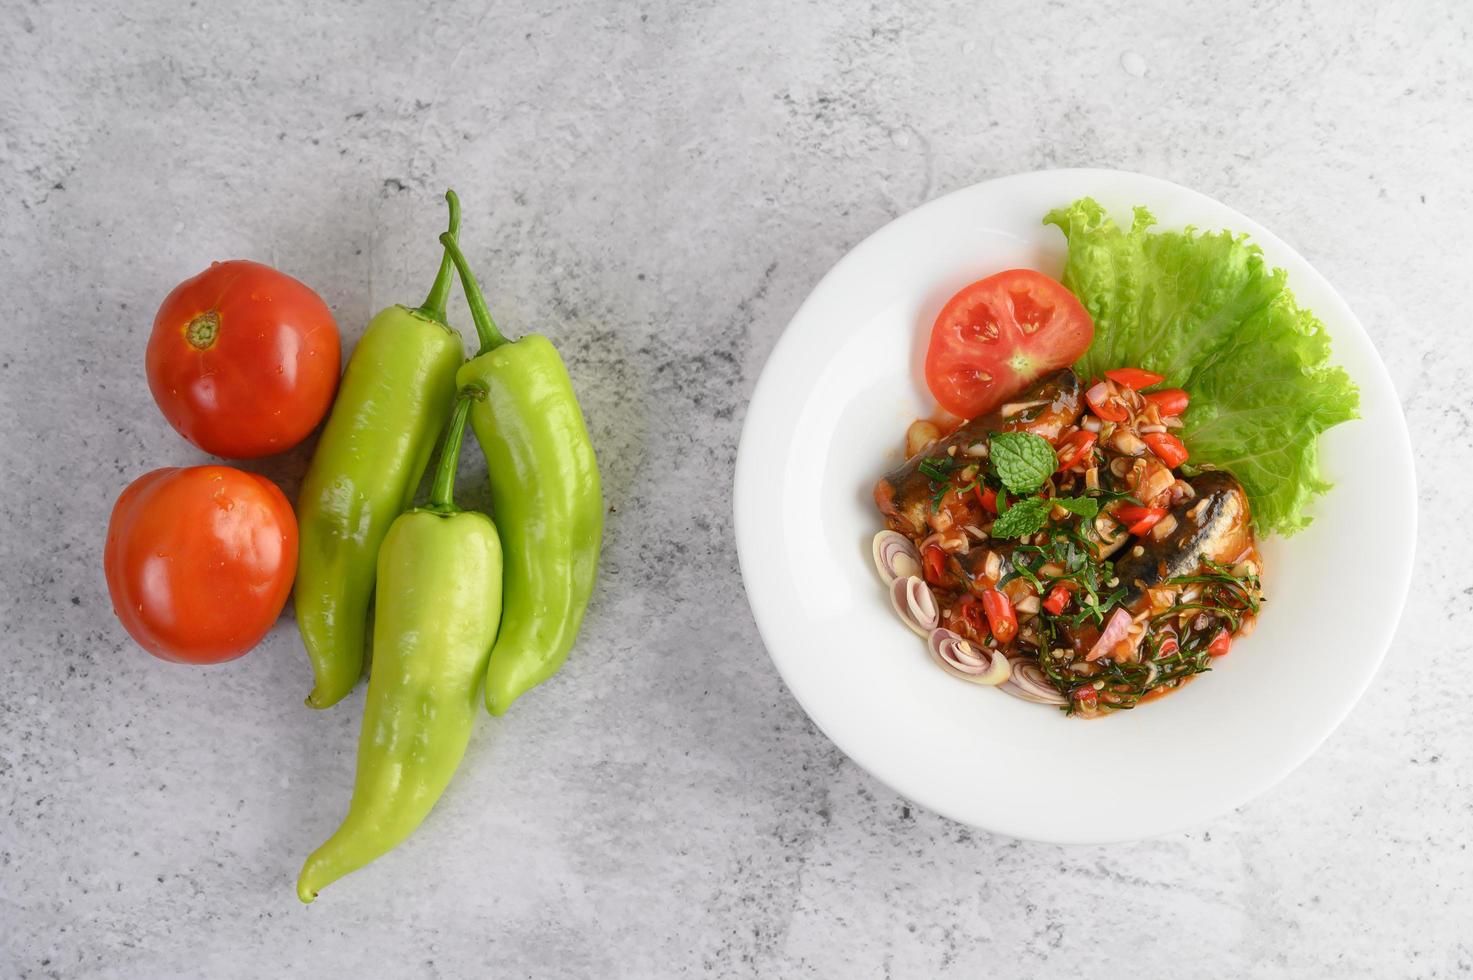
x=203, y=330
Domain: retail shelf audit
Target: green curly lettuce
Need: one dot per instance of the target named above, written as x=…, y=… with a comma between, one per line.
x=1208, y=313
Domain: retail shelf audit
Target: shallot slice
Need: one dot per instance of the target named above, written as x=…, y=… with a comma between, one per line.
x=914, y=604
x=961, y=659
x=895, y=557
x=1027, y=681
x=1117, y=629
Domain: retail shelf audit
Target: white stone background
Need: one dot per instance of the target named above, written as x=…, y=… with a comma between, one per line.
x=657, y=185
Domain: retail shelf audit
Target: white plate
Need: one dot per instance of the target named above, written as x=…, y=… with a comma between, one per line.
x=827, y=419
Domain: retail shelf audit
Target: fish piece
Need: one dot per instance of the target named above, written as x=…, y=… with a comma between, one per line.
x=1215, y=525
x=904, y=494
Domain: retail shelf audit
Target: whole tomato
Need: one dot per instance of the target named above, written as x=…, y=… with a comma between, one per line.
x=199, y=561
x=243, y=360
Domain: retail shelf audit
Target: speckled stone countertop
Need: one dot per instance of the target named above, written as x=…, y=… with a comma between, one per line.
x=657, y=186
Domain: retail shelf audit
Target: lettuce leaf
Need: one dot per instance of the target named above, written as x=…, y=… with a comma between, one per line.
x=1209, y=313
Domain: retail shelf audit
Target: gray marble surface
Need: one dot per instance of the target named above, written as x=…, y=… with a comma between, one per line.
x=657, y=185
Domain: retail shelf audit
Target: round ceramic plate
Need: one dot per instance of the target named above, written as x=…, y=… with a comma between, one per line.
x=828, y=418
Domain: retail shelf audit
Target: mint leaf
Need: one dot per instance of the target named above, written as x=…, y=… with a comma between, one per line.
x=1023, y=518
x=1082, y=506
x=1021, y=460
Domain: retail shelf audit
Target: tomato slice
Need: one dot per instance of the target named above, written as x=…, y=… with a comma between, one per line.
x=999, y=335
x=1167, y=447
x=1220, y=644
x=1169, y=401
x=1135, y=378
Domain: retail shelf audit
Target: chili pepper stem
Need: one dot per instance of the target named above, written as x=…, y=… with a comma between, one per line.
x=491, y=338
x=434, y=304
x=442, y=491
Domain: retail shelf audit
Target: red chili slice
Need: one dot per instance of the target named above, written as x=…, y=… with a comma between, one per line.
x=1058, y=599
x=1169, y=401
x=934, y=560
x=970, y=611
x=1167, y=447
x=1103, y=405
x=1139, y=520
x=1000, y=615
x=1134, y=378
x=987, y=497
x=1076, y=448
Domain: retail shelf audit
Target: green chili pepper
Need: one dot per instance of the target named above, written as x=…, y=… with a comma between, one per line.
x=393, y=402
x=544, y=492
x=439, y=587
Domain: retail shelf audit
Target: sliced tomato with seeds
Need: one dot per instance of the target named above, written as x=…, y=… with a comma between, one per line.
x=999, y=335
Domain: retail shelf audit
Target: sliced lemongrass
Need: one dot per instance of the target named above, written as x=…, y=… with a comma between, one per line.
x=895, y=557
x=913, y=603
x=1027, y=681
x=962, y=659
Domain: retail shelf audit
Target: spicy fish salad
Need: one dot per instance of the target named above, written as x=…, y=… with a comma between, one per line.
x=1077, y=526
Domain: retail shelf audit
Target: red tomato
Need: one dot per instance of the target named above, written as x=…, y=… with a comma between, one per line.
x=199, y=561
x=1167, y=447
x=1220, y=644
x=243, y=360
x=1000, y=334
x=1076, y=448
x=1169, y=401
x=1134, y=378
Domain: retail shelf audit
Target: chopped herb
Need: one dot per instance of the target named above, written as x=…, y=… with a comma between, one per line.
x=936, y=468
